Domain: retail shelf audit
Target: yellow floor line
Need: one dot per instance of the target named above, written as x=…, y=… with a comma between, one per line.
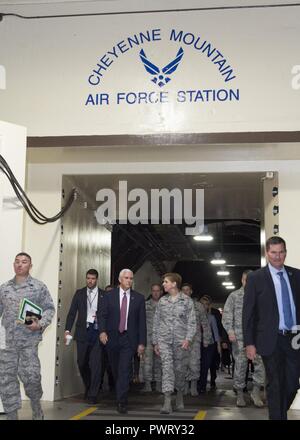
x=200, y=415
x=84, y=413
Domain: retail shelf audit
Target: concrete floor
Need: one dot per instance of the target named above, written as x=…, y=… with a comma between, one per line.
x=214, y=405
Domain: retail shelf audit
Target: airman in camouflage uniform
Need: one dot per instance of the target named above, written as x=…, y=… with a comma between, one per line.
x=232, y=322
x=19, y=356
x=174, y=328
x=203, y=332
x=151, y=363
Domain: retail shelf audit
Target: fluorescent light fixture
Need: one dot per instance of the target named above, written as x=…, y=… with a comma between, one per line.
x=218, y=261
x=223, y=273
x=230, y=287
x=203, y=237
x=227, y=283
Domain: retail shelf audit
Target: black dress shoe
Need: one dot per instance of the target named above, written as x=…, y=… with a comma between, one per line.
x=122, y=408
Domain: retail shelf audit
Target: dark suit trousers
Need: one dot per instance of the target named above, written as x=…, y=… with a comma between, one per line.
x=120, y=358
x=89, y=360
x=207, y=362
x=107, y=368
x=282, y=372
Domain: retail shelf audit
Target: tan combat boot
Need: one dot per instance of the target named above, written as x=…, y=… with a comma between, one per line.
x=167, y=407
x=256, y=398
x=179, y=401
x=240, y=401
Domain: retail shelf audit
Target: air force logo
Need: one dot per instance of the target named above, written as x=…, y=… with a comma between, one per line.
x=160, y=77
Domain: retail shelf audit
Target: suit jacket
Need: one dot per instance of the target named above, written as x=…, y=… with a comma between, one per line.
x=109, y=318
x=79, y=306
x=260, y=309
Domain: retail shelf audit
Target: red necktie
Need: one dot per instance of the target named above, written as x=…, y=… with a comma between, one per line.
x=123, y=313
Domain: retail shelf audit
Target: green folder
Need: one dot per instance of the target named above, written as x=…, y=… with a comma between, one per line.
x=28, y=306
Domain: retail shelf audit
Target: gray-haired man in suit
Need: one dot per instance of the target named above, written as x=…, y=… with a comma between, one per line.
x=122, y=323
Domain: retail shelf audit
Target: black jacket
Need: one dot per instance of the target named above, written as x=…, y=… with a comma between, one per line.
x=79, y=308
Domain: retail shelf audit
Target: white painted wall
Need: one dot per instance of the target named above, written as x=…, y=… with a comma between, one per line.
x=48, y=63
x=13, y=149
x=42, y=243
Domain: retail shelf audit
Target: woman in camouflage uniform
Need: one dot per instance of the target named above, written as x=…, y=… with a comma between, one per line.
x=173, y=330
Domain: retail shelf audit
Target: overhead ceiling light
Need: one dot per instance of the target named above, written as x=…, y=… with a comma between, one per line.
x=203, y=237
x=227, y=283
x=223, y=273
x=230, y=287
x=218, y=261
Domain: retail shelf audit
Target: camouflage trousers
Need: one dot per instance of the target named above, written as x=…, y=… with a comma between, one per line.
x=150, y=366
x=23, y=363
x=174, y=361
x=241, y=366
x=194, y=354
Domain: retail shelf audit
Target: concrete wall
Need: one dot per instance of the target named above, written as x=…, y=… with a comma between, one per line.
x=144, y=277
x=13, y=149
x=248, y=55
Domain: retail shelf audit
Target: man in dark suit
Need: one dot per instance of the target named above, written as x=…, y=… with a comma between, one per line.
x=106, y=368
x=122, y=323
x=271, y=310
x=85, y=304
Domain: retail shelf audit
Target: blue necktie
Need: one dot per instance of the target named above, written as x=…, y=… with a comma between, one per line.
x=286, y=303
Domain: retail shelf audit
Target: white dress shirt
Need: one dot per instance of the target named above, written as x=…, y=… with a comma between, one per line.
x=92, y=304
